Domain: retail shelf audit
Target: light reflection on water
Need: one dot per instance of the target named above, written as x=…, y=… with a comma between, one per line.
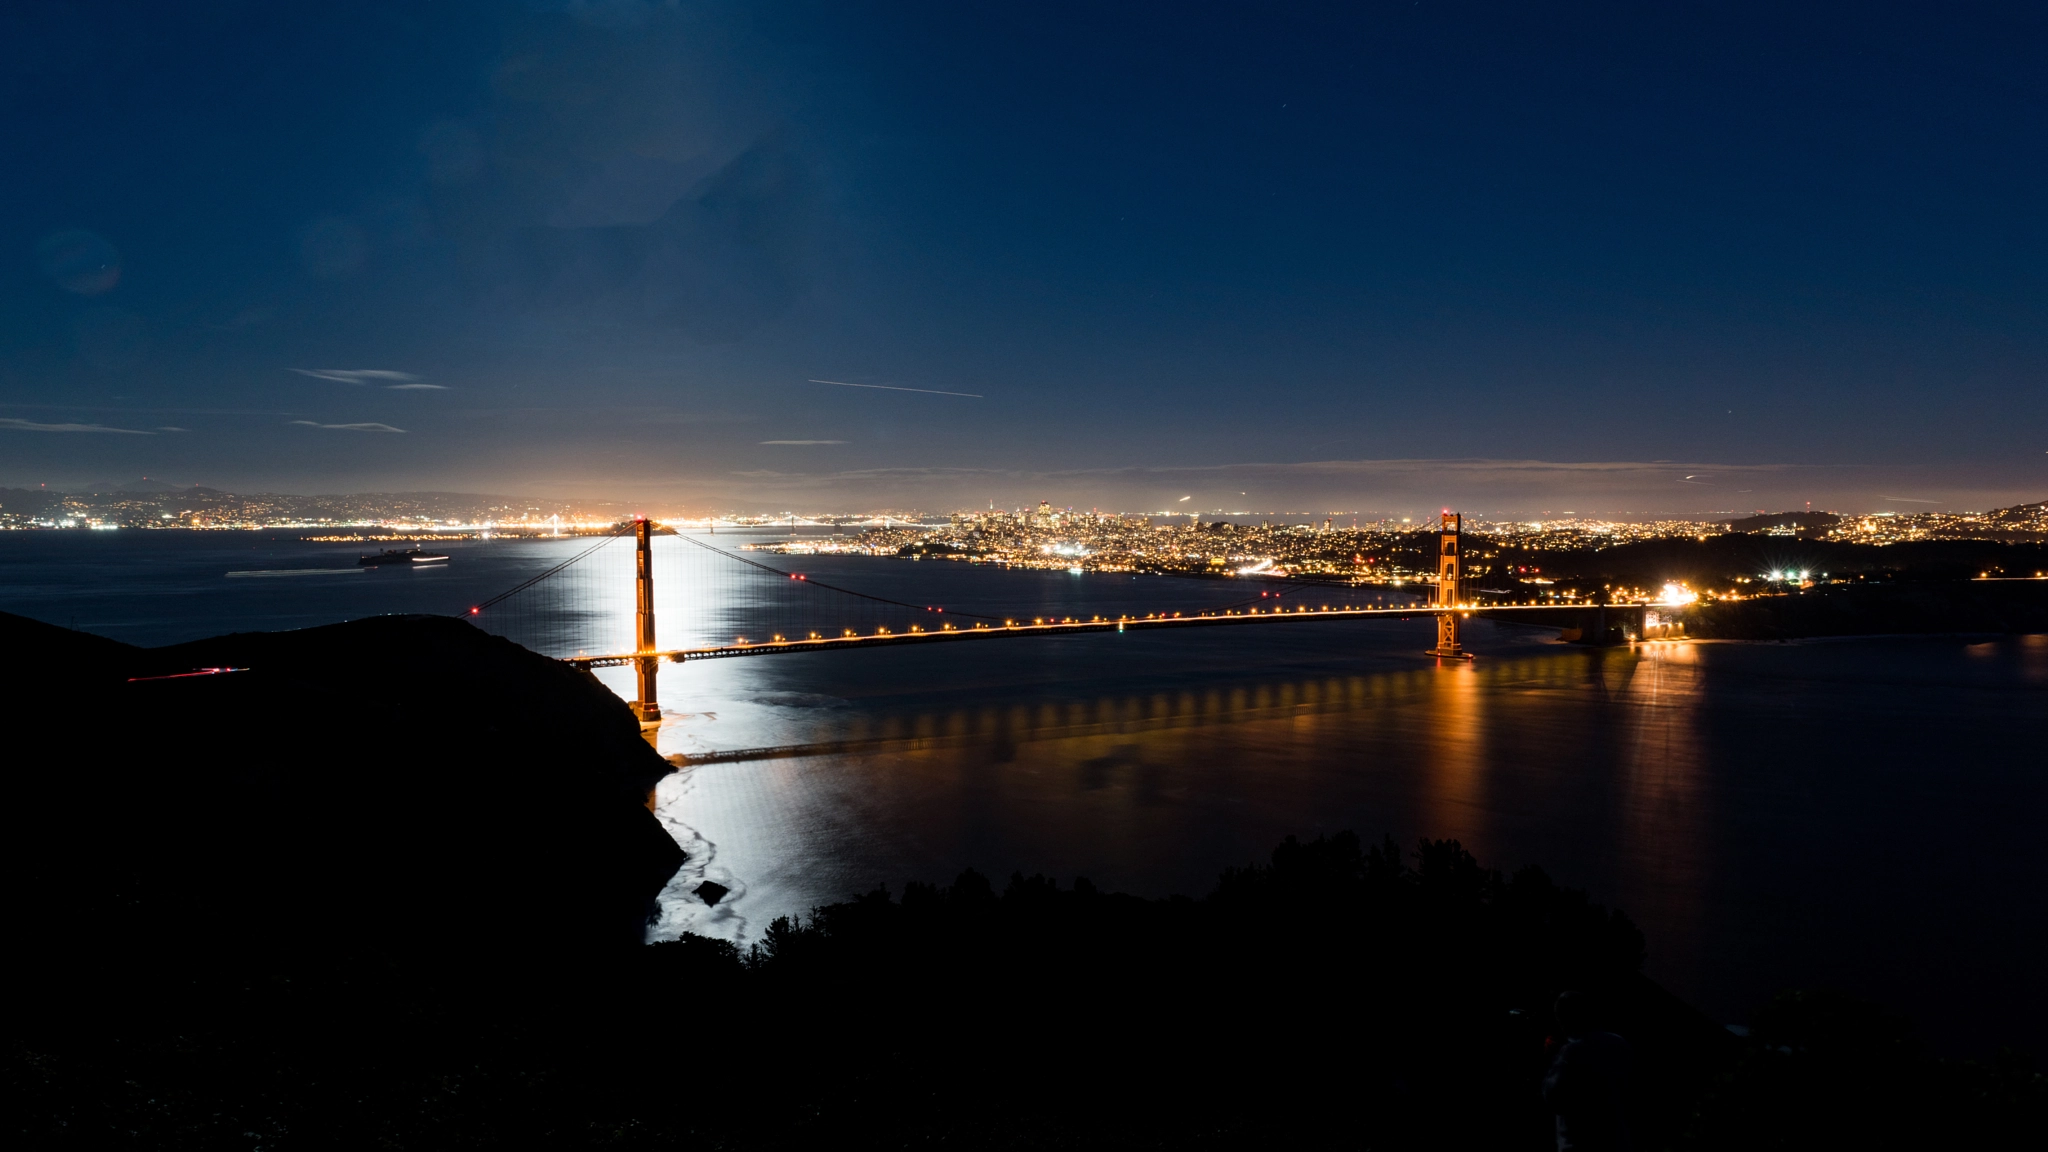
x=1666, y=803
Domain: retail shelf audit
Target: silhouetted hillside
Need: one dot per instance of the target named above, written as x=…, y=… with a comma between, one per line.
x=1722, y=562
x=1798, y=521
x=1337, y=991
x=26, y=501
x=1877, y=608
x=392, y=780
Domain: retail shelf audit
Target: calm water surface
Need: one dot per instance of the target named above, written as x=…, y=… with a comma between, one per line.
x=1865, y=814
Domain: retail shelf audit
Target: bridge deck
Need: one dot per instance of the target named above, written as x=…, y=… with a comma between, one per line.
x=1067, y=627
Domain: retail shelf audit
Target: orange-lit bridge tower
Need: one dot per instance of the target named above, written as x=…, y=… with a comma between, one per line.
x=1449, y=588
x=645, y=707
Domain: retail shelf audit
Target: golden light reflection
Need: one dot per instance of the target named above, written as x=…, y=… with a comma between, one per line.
x=1060, y=720
x=1665, y=804
x=1455, y=772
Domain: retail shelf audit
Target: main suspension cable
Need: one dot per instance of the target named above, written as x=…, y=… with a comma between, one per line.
x=516, y=590
x=833, y=587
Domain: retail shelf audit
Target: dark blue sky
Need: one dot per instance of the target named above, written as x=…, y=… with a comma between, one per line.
x=1680, y=258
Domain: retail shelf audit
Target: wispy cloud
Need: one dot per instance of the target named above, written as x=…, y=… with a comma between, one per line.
x=1428, y=471
x=896, y=388
x=171, y=428
x=349, y=427
x=1907, y=500
x=32, y=426
x=417, y=387
x=363, y=376
x=1477, y=484
x=1483, y=487
x=803, y=441
x=158, y=411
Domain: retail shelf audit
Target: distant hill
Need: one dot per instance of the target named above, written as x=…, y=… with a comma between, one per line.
x=109, y=487
x=2025, y=516
x=26, y=501
x=1799, y=521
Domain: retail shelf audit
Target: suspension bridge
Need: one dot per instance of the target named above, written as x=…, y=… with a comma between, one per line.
x=737, y=606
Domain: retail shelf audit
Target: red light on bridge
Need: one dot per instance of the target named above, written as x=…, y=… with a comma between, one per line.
x=474, y=611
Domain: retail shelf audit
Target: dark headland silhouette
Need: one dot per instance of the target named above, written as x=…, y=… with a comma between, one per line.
x=397, y=776
x=385, y=886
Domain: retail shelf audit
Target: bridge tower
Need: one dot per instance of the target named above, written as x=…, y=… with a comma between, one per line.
x=645, y=707
x=1449, y=574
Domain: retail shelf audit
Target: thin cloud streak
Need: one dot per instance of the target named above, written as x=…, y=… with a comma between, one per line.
x=803, y=441
x=1422, y=467
x=349, y=427
x=135, y=408
x=32, y=426
x=895, y=388
x=354, y=375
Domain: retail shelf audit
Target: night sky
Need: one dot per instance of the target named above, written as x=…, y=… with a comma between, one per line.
x=1383, y=257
